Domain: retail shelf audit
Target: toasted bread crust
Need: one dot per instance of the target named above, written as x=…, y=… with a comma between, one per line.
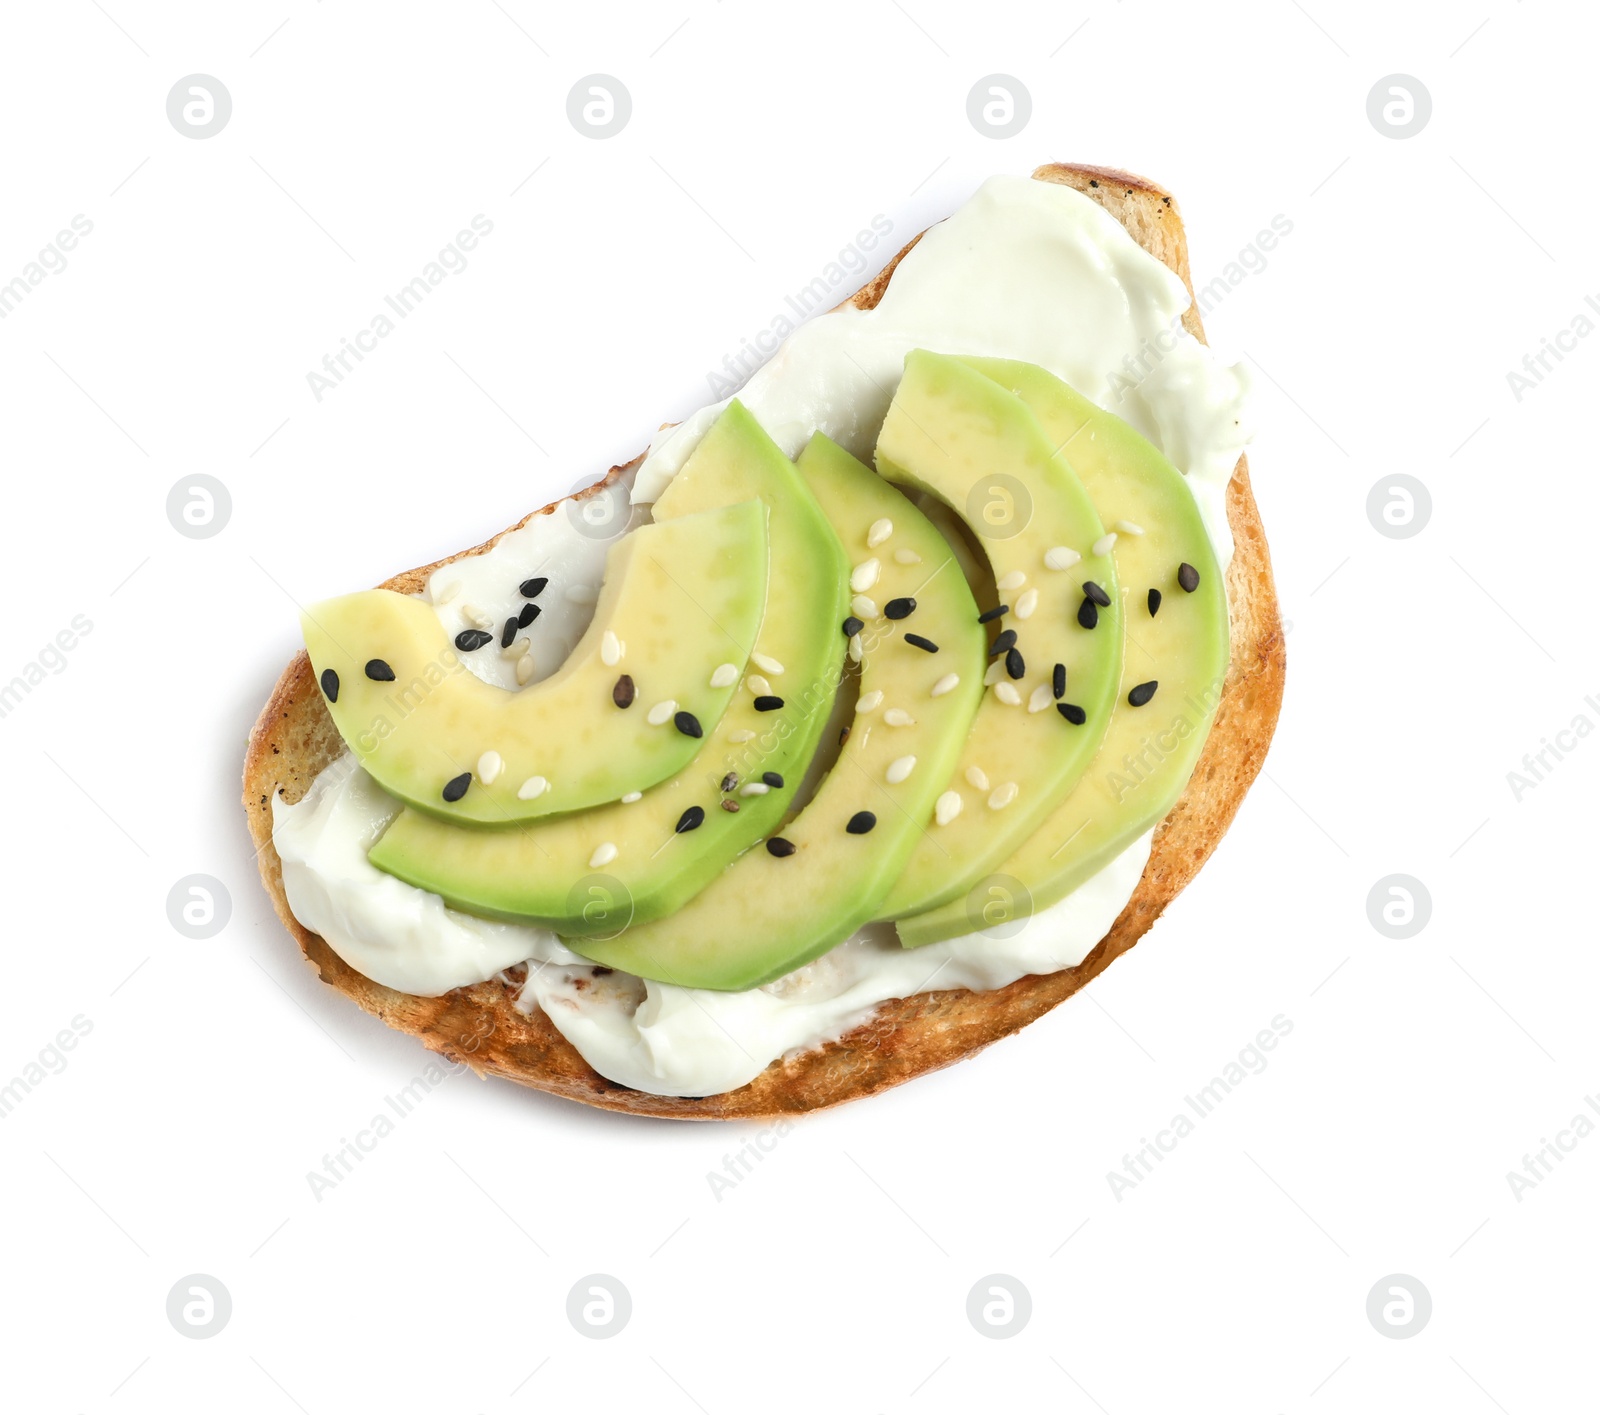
x=294, y=739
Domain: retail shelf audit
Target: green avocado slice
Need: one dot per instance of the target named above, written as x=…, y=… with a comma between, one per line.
x=449, y=744
x=962, y=438
x=1181, y=644
x=593, y=872
x=823, y=876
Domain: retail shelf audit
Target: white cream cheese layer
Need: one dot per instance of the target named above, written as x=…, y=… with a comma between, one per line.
x=1025, y=270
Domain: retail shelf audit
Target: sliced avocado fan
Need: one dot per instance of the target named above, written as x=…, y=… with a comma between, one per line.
x=1174, y=662
x=823, y=876
x=594, y=872
x=1056, y=656
x=678, y=603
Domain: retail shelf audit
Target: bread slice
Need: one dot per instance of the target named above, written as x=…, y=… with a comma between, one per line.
x=294, y=739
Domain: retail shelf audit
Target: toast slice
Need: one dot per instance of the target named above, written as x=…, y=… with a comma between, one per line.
x=294, y=739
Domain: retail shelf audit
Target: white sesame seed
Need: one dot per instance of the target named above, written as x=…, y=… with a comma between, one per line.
x=758, y=685
x=516, y=649
x=994, y=672
x=879, y=531
x=603, y=855
x=865, y=575
x=524, y=668
x=1007, y=693
x=610, y=649
x=868, y=702
x=1027, y=602
x=899, y=769
x=725, y=675
x=766, y=663
x=1014, y=580
x=744, y=734
x=944, y=685
x=473, y=615
x=583, y=594
x=1041, y=698
x=947, y=808
x=907, y=556
x=977, y=778
x=1061, y=557
x=1003, y=795
x=631, y=797
x=489, y=768
x=1130, y=528
x=1104, y=544
x=856, y=650
x=447, y=592
x=864, y=608
x=532, y=788
x=661, y=712
x=754, y=788
x=898, y=717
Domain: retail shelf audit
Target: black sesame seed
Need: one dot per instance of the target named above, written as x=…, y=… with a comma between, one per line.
x=918, y=642
x=622, y=692
x=691, y=819
x=508, y=633
x=530, y=612
x=469, y=639
x=861, y=822
x=456, y=787
x=687, y=723
x=1188, y=577
x=768, y=702
x=780, y=847
x=730, y=805
x=1058, y=680
x=330, y=685
x=1088, y=615
x=990, y=615
x=532, y=589
x=899, y=608
x=1073, y=713
x=1002, y=642
x=1098, y=595
x=1142, y=694
x=1015, y=667
x=852, y=626
x=1153, y=599
x=379, y=671
x=772, y=778
x=844, y=734
x=730, y=781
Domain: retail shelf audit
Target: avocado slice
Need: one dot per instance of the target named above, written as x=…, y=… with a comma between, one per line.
x=818, y=881
x=959, y=436
x=1178, y=640
x=628, y=708
x=665, y=846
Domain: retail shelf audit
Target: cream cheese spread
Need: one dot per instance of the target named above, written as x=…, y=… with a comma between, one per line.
x=1025, y=270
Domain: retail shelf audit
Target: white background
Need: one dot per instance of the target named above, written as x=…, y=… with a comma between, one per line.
x=834, y=1276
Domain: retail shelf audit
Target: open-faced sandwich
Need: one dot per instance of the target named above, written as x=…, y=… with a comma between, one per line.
x=854, y=726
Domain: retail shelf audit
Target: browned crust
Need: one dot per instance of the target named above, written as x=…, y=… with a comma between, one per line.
x=294, y=738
